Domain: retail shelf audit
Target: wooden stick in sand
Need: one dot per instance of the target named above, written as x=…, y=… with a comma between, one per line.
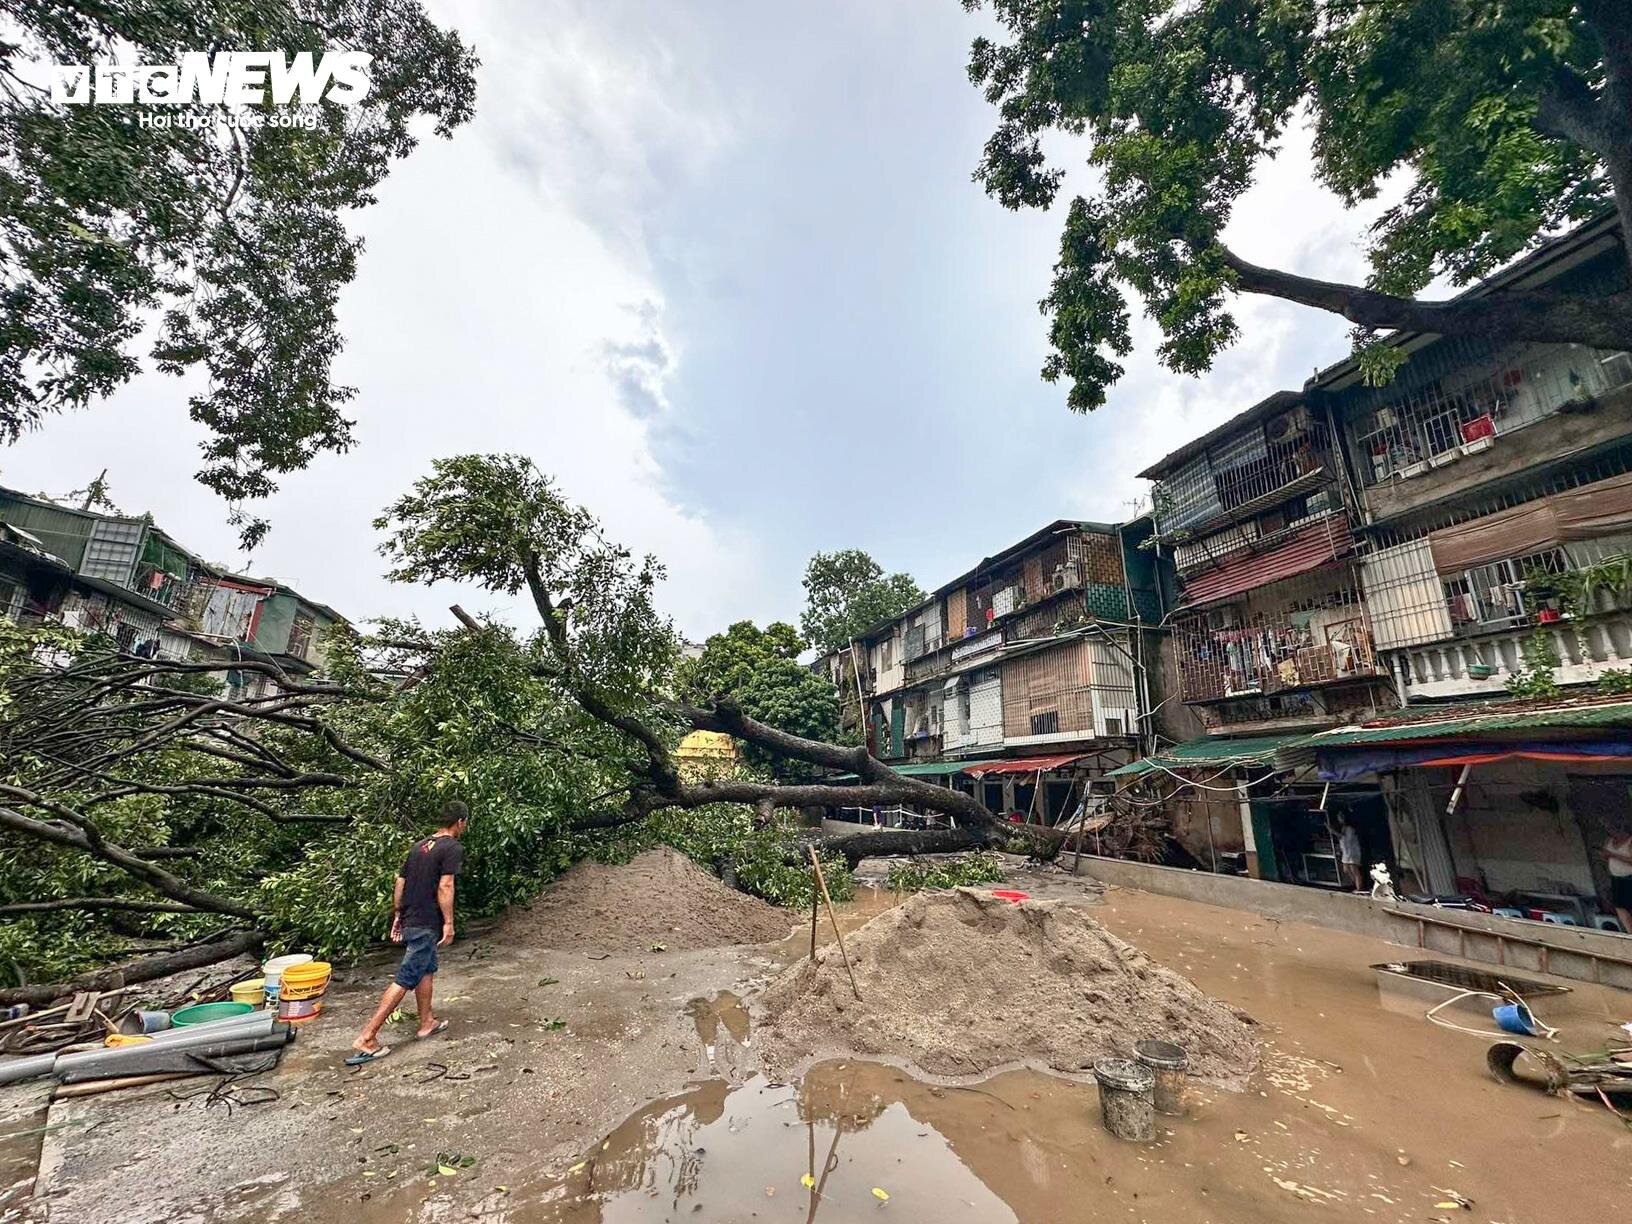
x=816, y=866
x=815, y=906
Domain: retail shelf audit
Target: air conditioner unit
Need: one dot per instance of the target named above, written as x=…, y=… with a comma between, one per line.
x=1066, y=578
x=1617, y=369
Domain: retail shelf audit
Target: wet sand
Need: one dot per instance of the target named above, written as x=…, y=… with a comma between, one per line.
x=647, y=1106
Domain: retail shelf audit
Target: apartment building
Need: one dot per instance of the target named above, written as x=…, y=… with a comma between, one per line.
x=1019, y=678
x=1456, y=534
x=1269, y=633
x=123, y=576
x=1492, y=491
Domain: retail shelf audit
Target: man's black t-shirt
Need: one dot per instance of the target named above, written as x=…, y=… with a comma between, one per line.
x=427, y=863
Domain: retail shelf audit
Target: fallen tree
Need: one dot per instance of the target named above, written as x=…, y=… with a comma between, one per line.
x=138, y=799
x=497, y=521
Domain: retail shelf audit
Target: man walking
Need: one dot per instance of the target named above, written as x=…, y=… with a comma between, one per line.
x=421, y=920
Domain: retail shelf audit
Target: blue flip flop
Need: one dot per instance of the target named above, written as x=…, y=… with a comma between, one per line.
x=363, y=1057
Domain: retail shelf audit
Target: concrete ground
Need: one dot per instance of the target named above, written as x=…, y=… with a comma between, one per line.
x=1359, y=1111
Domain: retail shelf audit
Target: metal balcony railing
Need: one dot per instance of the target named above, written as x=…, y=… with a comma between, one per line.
x=1243, y=475
x=1216, y=664
x=161, y=586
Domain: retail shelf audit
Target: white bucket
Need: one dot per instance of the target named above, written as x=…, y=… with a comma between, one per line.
x=273, y=969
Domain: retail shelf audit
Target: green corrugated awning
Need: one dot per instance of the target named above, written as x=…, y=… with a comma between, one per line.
x=929, y=769
x=1209, y=751
x=1494, y=722
x=1460, y=722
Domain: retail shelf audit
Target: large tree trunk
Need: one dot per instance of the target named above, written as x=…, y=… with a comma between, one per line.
x=148, y=969
x=857, y=846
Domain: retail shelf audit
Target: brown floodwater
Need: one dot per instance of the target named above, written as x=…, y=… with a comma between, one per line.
x=1357, y=1113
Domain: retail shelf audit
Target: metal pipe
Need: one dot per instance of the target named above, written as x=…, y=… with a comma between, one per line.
x=256, y=1022
x=15, y=1070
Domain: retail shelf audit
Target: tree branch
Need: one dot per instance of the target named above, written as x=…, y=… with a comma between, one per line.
x=79, y=833
x=1540, y=316
x=100, y=903
x=660, y=765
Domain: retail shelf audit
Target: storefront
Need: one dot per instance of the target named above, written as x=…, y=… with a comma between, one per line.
x=1504, y=807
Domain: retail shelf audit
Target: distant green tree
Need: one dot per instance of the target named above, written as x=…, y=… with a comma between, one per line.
x=1508, y=119
x=847, y=593
x=231, y=240
x=760, y=669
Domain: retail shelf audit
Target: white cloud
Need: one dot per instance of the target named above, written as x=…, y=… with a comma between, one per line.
x=505, y=302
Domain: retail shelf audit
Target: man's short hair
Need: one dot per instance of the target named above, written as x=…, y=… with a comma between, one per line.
x=453, y=811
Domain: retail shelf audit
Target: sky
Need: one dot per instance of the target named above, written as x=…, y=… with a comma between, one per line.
x=722, y=270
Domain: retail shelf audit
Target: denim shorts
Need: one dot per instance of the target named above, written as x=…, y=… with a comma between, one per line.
x=419, y=956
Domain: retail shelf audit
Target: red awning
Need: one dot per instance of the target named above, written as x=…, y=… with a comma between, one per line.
x=1023, y=765
x=1316, y=545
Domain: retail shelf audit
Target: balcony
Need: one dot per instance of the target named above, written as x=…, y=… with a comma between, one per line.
x=1244, y=475
x=1261, y=660
x=1482, y=666
x=160, y=586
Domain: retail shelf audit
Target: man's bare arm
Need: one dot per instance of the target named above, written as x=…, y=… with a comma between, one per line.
x=444, y=901
x=396, y=911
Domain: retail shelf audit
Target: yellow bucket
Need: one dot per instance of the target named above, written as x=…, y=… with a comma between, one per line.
x=304, y=981
x=252, y=992
x=300, y=993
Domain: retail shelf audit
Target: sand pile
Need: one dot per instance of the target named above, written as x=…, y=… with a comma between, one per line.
x=660, y=897
x=959, y=982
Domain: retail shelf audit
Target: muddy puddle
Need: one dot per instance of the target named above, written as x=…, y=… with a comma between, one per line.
x=870, y=901
x=1019, y=1146
x=827, y=1148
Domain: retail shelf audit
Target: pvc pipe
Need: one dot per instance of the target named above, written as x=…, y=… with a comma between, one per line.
x=251, y=1022
x=15, y=1070
x=175, y=1056
x=67, y=1063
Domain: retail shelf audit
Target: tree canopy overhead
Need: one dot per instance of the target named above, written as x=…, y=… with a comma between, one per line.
x=231, y=240
x=1509, y=118
x=847, y=593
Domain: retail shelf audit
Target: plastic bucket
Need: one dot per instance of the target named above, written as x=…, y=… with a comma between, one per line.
x=301, y=991
x=200, y=1012
x=1515, y=1018
x=1168, y=1064
x=252, y=992
x=298, y=1011
x=1125, y=1090
x=273, y=969
x=307, y=981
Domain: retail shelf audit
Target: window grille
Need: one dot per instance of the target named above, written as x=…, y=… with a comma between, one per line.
x=1455, y=394
x=1301, y=632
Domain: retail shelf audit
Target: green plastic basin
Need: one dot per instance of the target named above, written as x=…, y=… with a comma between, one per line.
x=200, y=1012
